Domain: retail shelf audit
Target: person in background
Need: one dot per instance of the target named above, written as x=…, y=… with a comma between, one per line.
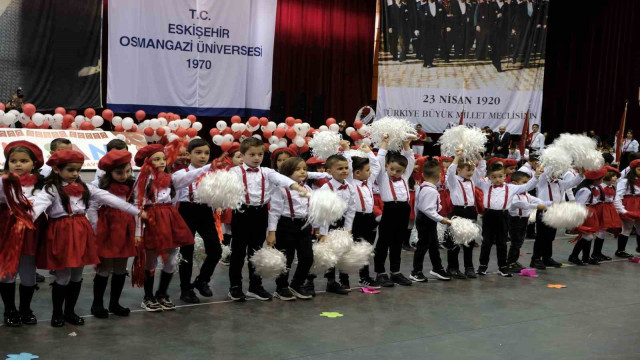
x=418, y=144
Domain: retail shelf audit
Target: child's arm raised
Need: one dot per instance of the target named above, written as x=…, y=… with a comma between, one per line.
x=183, y=178
x=411, y=160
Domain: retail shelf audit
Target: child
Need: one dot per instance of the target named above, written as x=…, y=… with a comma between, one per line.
x=520, y=210
x=70, y=243
x=394, y=192
x=182, y=159
x=530, y=166
x=279, y=156
x=289, y=232
x=318, y=166
x=427, y=210
x=166, y=231
x=514, y=153
x=23, y=159
x=226, y=214
x=55, y=145
x=462, y=178
x=115, y=144
x=509, y=169
x=498, y=198
x=550, y=189
x=628, y=190
x=249, y=224
x=115, y=233
x=199, y=217
x=607, y=212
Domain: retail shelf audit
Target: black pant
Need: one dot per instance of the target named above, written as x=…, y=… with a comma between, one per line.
x=292, y=237
x=543, y=246
x=517, y=231
x=494, y=231
x=470, y=213
x=364, y=228
x=402, y=37
x=199, y=218
x=427, y=240
x=394, y=222
x=249, y=228
x=429, y=46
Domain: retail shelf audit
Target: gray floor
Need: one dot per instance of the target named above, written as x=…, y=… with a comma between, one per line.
x=595, y=317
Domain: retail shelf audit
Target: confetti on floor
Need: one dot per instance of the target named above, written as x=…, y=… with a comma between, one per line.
x=556, y=286
x=73, y=334
x=331, y=314
x=21, y=356
x=369, y=290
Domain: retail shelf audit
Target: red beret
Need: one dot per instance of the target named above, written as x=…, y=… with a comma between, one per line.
x=233, y=148
x=62, y=157
x=595, y=174
x=446, y=158
x=113, y=159
x=277, y=151
x=634, y=163
x=510, y=162
x=612, y=169
x=495, y=159
x=31, y=146
x=147, y=151
x=314, y=161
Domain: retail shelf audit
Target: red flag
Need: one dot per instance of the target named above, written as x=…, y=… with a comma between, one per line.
x=525, y=134
x=461, y=117
x=620, y=134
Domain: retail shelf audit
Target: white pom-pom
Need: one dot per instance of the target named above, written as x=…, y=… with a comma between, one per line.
x=269, y=262
x=323, y=258
x=356, y=257
x=413, y=239
x=221, y=189
x=325, y=207
x=325, y=144
x=472, y=140
x=582, y=150
x=339, y=241
x=565, y=215
x=532, y=216
x=226, y=251
x=441, y=229
x=464, y=231
x=357, y=153
x=397, y=129
x=199, y=251
x=555, y=160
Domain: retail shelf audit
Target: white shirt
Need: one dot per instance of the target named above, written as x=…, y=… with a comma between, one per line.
x=527, y=169
x=432, y=8
x=428, y=201
x=496, y=197
x=259, y=195
x=588, y=195
x=349, y=197
x=282, y=201
x=52, y=204
x=463, y=192
x=629, y=145
x=522, y=205
x=570, y=174
x=463, y=7
x=188, y=192
x=163, y=196
x=401, y=188
x=27, y=191
x=45, y=170
x=537, y=141
x=622, y=191
x=557, y=187
x=517, y=156
x=365, y=190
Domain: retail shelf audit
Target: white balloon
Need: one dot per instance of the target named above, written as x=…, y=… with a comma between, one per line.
x=323, y=128
x=218, y=139
x=154, y=123
x=79, y=119
x=171, y=137
x=273, y=147
x=364, y=130
x=257, y=136
x=271, y=126
x=221, y=125
x=121, y=136
x=163, y=122
x=9, y=118
x=235, y=127
x=242, y=138
x=97, y=121
x=49, y=118
x=306, y=127
x=38, y=119
x=185, y=123
x=24, y=118
x=242, y=127
x=273, y=140
x=117, y=120
x=349, y=130
x=173, y=125
x=253, y=128
x=197, y=125
x=228, y=138
x=196, y=137
x=282, y=142
x=127, y=123
x=55, y=125
x=74, y=126
x=366, y=141
x=58, y=118
x=282, y=126
x=334, y=127
x=14, y=112
x=299, y=141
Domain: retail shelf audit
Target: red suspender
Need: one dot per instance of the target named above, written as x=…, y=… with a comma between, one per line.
x=393, y=191
x=550, y=192
x=262, y=190
x=293, y=214
x=361, y=198
x=330, y=186
x=520, y=210
x=246, y=188
x=464, y=192
x=190, y=188
x=506, y=197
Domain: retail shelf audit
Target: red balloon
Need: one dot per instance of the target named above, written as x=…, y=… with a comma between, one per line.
x=72, y=113
x=89, y=113
x=330, y=121
x=67, y=120
x=107, y=114
x=311, y=132
x=279, y=132
x=267, y=134
x=236, y=119
x=149, y=131
x=181, y=132
x=60, y=110
x=45, y=125
x=160, y=131
x=191, y=118
x=227, y=130
x=357, y=124
x=237, y=135
x=290, y=121
x=169, y=116
x=29, y=109
x=291, y=133
x=86, y=125
x=140, y=115
x=225, y=146
x=294, y=147
x=355, y=135
x=2, y=107
x=118, y=128
x=192, y=132
x=134, y=128
x=298, y=121
x=246, y=133
x=31, y=125
x=304, y=149
x=254, y=121
x=213, y=132
x=264, y=121
x=162, y=115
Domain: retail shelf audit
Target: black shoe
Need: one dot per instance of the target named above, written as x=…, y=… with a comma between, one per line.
x=335, y=287
x=12, y=318
x=552, y=263
x=417, y=276
x=119, y=310
x=225, y=260
x=400, y=279
x=39, y=278
x=482, y=270
x=300, y=292
x=258, y=292
x=345, y=284
x=310, y=287
x=504, y=272
x=73, y=319
x=537, y=264
x=384, y=281
x=26, y=295
x=189, y=296
x=441, y=274
x=28, y=318
x=369, y=282
x=236, y=294
x=623, y=254
x=470, y=273
x=601, y=257
x=203, y=288
x=57, y=321
x=407, y=247
x=284, y=294
x=456, y=274
x=99, y=312
x=590, y=261
x=576, y=260
x=515, y=267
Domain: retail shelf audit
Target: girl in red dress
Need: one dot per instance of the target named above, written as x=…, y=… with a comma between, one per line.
x=607, y=212
x=69, y=243
x=628, y=189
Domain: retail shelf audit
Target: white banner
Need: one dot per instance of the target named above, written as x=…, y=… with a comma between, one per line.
x=93, y=144
x=201, y=57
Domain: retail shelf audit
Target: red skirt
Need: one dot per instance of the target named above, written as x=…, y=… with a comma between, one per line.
x=166, y=228
x=445, y=202
x=116, y=233
x=631, y=203
x=4, y=218
x=608, y=216
x=591, y=224
x=33, y=238
x=69, y=242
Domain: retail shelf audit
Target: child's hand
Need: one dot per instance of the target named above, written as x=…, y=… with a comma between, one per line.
x=300, y=189
x=144, y=215
x=138, y=240
x=271, y=238
x=541, y=207
x=459, y=152
x=385, y=139
x=581, y=171
x=365, y=148
x=219, y=211
x=445, y=221
x=345, y=145
x=322, y=238
x=539, y=171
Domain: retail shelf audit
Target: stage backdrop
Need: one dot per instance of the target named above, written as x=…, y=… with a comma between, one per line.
x=440, y=58
x=203, y=57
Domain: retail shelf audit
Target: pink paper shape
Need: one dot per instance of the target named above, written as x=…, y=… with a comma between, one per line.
x=528, y=272
x=369, y=290
x=635, y=259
